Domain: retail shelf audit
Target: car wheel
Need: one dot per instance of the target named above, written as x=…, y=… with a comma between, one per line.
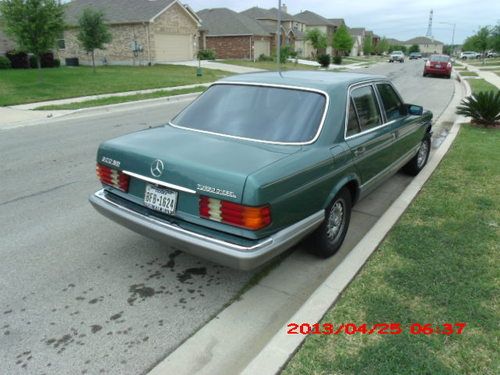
x=328, y=238
x=448, y=76
x=418, y=162
x=425, y=74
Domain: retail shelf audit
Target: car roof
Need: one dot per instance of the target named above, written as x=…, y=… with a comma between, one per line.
x=305, y=79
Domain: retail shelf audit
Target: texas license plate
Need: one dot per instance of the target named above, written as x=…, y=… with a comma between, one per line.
x=438, y=66
x=159, y=199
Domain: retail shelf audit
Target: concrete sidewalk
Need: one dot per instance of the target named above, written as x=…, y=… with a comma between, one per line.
x=488, y=76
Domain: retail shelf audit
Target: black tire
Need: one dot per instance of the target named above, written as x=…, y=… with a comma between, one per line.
x=328, y=238
x=418, y=162
x=424, y=75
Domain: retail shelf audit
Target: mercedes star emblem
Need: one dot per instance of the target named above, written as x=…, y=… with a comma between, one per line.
x=157, y=168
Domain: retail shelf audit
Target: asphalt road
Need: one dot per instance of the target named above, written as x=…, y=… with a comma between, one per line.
x=80, y=294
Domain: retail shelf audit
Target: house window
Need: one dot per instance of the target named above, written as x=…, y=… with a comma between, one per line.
x=61, y=44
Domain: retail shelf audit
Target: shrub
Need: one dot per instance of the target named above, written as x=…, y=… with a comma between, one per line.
x=5, y=63
x=47, y=60
x=18, y=60
x=57, y=63
x=285, y=53
x=483, y=107
x=337, y=60
x=206, y=54
x=33, y=63
x=263, y=57
x=324, y=60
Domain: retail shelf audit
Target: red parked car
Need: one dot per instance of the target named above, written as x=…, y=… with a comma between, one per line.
x=439, y=65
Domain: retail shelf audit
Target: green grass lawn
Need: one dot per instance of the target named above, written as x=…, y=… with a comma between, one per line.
x=121, y=99
x=468, y=74
x=481, y=85
x=487, y=62
x=271, y=65
x=23, y=86
x=439, y=264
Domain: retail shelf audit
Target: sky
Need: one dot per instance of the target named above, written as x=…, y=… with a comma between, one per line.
x=398, y=19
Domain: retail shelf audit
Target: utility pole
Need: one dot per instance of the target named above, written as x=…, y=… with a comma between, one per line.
x=452, y=36
x=278, y=35
x=429, y=27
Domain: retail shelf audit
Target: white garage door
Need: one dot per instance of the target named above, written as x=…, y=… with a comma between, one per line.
x=171, y=47
x=261, y=47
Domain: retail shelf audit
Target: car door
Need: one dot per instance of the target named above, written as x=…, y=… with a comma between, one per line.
x=404, y=127
x=366, y=135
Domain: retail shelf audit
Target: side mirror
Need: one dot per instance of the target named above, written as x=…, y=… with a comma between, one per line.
x=412, y=109
x=415, y=110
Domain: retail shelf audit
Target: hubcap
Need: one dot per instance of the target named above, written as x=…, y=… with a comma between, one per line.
x=335, y=220
x=422, y=153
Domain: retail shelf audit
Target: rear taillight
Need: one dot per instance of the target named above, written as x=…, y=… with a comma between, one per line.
x=449, y=65
x=428, y=63
x=112, y=177
x=252, y=218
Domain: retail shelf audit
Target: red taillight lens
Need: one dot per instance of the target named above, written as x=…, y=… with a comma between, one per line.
x=112, y=177
x=252, y=218
x=449, y=65
x=428, y=63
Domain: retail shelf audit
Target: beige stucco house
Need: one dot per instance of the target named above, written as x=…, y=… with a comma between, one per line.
x=427, y=45
x=144, y=32
x=310, y=20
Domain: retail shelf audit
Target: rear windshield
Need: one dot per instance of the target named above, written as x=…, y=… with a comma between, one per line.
x=440, y=58
x=260, y=113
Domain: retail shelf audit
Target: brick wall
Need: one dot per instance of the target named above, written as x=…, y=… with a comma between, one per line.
x=230, y=47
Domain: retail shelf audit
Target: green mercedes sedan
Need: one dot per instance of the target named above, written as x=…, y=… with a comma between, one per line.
x=260, y=161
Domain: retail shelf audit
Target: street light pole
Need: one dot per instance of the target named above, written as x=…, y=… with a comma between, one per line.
x=278, y=50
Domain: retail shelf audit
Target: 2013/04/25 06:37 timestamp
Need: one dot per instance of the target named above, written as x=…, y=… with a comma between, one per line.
x=378, y=328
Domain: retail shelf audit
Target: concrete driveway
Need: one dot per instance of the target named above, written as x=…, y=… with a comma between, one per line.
x=218, y=65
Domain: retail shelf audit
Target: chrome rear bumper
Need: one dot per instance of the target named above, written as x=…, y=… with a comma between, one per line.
x=219, y=251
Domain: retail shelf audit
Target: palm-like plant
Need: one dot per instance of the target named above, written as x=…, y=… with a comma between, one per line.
x=483, y=107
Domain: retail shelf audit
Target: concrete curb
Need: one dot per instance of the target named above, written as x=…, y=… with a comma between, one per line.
x=280, y=349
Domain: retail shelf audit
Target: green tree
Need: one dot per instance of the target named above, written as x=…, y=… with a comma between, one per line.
x=317, y=38
x=414, y=48
x=396, y=47
x=35, y=25
x=482, y=40
x=93, y=32
x=367, y=45
x=495, y=38
x=382, y=46
x=342, y=41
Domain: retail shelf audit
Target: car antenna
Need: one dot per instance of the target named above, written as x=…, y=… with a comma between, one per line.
x=278, y=36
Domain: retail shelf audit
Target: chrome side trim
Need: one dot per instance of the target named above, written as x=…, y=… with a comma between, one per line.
x=299, y=88
x=158, y=182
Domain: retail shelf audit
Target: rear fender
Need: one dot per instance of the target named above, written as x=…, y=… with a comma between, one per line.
x=352, y=181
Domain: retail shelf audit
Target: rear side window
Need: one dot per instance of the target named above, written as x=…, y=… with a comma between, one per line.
x=390, y=100
x=366, y=107
x=352, y=122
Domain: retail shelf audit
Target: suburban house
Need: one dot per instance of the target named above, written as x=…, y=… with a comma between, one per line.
x=291, y=34
x=233, y=35
x=358, y=36
x=6, y=44
x=426, y=45
x=144, y=31
x=311, y=20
